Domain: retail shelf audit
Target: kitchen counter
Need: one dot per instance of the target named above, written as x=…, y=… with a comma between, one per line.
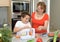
x=44, y=38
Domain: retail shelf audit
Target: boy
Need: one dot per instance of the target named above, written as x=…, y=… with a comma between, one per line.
x=23, y=24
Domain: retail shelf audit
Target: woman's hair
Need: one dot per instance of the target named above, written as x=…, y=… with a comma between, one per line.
x=43, y=6
x=23, y=14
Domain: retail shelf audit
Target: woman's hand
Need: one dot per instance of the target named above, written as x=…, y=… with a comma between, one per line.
x=40, y=27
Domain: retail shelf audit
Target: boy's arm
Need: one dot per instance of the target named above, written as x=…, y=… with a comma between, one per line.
x=16, y=29
x=29, y=24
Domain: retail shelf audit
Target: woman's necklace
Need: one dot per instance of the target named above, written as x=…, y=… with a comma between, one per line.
x=38, y=16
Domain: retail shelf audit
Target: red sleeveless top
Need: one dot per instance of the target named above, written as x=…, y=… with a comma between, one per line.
x=36, y=23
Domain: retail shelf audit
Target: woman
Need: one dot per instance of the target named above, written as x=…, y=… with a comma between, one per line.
x=40, y=19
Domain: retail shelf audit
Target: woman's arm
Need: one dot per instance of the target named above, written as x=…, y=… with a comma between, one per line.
x=43, y=27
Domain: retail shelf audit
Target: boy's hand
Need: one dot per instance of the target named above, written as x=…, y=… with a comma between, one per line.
x=17, y=36
x=27, y=27
x=30, y=32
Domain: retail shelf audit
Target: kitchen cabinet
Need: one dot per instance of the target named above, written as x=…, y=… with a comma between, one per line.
x=5, y=2
x=14, y=20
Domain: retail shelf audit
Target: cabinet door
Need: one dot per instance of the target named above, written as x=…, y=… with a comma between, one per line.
x=4, y=2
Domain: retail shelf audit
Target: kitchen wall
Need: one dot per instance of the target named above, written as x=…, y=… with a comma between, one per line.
x=55, y=15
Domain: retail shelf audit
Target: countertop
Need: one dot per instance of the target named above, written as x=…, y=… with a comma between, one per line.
x=44, y=38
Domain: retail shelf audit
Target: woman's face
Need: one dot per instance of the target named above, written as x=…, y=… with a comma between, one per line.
x=39, y=9
x=25, y=19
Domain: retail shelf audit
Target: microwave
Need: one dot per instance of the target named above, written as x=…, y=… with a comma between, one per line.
x=18, y=7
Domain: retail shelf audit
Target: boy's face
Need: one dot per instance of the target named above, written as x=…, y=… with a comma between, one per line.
x=25, y=19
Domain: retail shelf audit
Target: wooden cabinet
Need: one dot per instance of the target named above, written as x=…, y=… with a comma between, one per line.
x=5, y=2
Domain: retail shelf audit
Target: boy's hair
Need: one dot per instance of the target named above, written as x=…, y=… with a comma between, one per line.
x=23, y=14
